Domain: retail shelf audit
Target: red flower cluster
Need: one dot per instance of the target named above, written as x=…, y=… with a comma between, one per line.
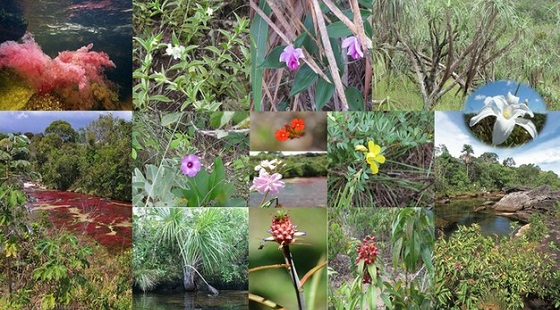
x=294, y=130
x=368, y=252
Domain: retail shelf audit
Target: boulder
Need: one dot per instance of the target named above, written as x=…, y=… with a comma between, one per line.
x=517, y=201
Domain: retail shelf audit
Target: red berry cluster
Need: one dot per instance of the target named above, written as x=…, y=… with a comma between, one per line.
x=294, y=130
x=367, y=251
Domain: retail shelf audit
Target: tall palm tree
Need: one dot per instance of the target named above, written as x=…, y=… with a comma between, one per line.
x=466, y=156
x=201, y=236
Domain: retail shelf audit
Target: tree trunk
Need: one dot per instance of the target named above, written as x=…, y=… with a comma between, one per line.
x=188, y=279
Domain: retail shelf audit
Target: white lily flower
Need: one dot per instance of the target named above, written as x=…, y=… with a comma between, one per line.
x=509, y=112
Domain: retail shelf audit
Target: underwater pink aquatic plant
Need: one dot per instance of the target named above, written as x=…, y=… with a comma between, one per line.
x=79, y=67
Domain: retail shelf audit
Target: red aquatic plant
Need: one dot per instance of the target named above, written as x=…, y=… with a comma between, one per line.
x=81, y=68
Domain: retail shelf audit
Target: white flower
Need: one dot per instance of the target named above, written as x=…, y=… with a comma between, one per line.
x=268, y=165
x=509, y=112
x=209, y=11
x=175, y=51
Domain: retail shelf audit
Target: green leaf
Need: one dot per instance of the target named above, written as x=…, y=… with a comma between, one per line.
x=160, y=98
x=303, y=80
x=338, y=30
x=259, y=35
x=323, y=93
x=170, y=118
x=48, y=302
x=355, y=99
x=272, y=61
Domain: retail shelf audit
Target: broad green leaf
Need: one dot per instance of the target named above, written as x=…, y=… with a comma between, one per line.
x=338, y=30
x=323, y=93
x=355, y=99
x=303, y=80
x=259, y=35
x=272, y=60
x=170, y=118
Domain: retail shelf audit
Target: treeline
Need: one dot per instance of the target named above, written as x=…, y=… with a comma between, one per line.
x=302, y=165
x=94, y=160
x=469, y=173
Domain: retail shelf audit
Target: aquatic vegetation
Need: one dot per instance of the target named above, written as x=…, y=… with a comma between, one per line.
x=71, y=72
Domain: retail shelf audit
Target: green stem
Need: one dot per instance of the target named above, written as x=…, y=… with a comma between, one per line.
x=264, y=198
x=295, y=279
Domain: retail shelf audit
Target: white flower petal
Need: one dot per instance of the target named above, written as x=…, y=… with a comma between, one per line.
x=528, y=125
x=519, y=110
x=500, y=102
x=511, y=99
x=485, y=112
x=502, y=129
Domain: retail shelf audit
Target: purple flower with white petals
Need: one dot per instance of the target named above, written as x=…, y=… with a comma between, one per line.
x=266, y=182
x=291, y=56
x=354, y=47
x=190, y=165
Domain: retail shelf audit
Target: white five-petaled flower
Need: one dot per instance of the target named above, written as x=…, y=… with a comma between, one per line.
x=174, y=51
x=509, y=112
x=268, y=165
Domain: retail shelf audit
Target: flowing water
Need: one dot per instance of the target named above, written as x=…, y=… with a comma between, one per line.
x=227, y=300
x=299, y=192
x=461, y=212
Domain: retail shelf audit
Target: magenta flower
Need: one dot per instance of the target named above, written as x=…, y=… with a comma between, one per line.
x=354, y=47
x=267, y=183
x=190, y=165
x=291, y=56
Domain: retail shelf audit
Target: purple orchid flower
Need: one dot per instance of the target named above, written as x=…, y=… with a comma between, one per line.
x=291, y=56
x=354, y=47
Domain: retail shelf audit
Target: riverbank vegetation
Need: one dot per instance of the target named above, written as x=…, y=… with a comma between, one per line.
x=42, y=266
x=178, y=249
x=471, y=174
x=300, y=165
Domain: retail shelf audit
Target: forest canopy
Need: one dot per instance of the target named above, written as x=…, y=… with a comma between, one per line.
x=485, y=172
x=93, y=160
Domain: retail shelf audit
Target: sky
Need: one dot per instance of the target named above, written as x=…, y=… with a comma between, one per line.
x=544, y=150
x=475, y=102
x=36, y=122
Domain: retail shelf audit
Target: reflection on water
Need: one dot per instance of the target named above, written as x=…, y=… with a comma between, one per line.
x=226, y=300
x=70, y=24
x=299, y=192
x=461, y=212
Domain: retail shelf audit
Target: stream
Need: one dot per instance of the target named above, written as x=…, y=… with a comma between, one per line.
x=461, y=212
x=298, y=192
x=227, y=300
x=109, y=222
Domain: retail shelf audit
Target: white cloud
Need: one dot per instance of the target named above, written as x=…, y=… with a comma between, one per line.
x=479, y=97
x=21, y=115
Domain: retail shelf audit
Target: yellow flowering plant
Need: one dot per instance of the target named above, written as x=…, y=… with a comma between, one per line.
x=373, y=155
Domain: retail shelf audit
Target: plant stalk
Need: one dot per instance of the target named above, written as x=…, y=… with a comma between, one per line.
x=290, y=262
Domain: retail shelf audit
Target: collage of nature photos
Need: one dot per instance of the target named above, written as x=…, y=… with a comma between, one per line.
x=279, y=154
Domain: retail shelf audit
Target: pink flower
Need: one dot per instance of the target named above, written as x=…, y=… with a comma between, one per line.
x=267, y=183
x=291, y=56
x=354, y=47
x=190, y=165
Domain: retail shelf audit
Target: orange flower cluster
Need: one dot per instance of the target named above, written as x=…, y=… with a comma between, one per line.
x=294, y=130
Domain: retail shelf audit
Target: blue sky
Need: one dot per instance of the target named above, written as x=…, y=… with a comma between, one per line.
x=544, y=150
x=475, y=102
x=36, y=122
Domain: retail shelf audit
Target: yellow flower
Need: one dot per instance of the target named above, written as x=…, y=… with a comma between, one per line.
x=373, y=157
x=360, y=147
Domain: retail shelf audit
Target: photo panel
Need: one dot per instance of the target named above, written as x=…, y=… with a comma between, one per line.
x=190, y=159
x=380, y=159
x=66, y=55
x=190, y=258
x=288, y=258
x=65, y=210
x=191, y=55
x=496, y=212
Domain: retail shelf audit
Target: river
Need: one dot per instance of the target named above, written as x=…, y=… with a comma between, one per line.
x=461, y=212
x=109, y=222
x=298, y=192
x=227, y=300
